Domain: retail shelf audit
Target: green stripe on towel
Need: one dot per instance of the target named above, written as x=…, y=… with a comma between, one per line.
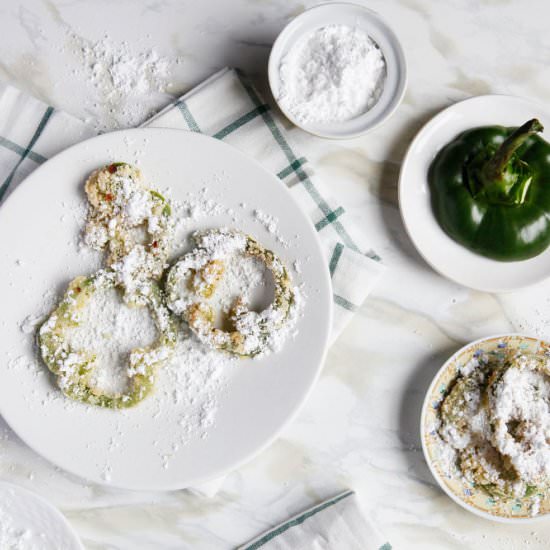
x=335, y=258
x=241, y=121
x=8, y=144
x=296, y=521
x=346, y=304
x=292, y=167
x=34, y=139
x=302, y=176
x=329, y=218
x=187, y=116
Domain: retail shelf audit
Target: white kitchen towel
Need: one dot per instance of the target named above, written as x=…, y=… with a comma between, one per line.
x=226, y=107
x=335, y=524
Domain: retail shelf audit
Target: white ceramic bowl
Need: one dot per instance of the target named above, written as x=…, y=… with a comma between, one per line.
x=472, y=499
x=445, y=255
x=353, y=15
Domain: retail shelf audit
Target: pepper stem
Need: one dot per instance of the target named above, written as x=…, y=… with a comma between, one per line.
x=498, y=173
x=495, y=167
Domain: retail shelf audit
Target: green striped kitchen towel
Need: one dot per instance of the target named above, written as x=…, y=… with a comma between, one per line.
x=335, y=524
x=226, y=107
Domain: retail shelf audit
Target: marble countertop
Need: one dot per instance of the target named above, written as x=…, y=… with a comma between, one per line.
x=359, y=428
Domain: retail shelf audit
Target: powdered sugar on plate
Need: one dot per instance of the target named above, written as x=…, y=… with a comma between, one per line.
x=271, y=224
x=191, y=386
x=111, y=329
x=195, y=379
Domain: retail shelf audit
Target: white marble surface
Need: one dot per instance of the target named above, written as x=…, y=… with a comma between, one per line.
x=360, y=427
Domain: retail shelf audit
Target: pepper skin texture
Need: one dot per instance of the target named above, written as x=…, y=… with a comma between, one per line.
x=490, y=191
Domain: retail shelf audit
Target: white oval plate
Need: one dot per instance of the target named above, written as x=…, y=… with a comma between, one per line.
x=445, y=255
x=353, y=15
x=475, y=501
x=38, y=247
x=24, y=512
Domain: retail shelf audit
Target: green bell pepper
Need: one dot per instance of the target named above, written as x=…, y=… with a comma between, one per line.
x=490, y=191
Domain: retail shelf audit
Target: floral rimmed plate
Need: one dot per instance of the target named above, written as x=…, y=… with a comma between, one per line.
x=467, y=496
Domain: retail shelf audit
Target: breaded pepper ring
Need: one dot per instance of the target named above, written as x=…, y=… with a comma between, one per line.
x=514, y=433
x=74, y=368
x=195, y=277
x=132, y=222
x=481, y=461
x=455, y=404
x=492, y=472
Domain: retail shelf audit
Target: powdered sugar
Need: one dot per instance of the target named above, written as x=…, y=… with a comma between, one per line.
x=111, y=329
x=335, y=73
x=196, y=377
x=271, y=224
x=115, y=68
x=522, y=399
x=129, y=83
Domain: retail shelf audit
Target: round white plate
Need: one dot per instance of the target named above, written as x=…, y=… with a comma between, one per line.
x=353, y=15
x=39, y=225
x=29, y=520
x=444, y=254
x=437, y=458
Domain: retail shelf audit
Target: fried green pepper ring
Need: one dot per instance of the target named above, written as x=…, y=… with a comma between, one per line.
x=455, y=404
x=491, y=471
x=132, y=222
x=486, y=463
x=514, y=431
x=74, y=368
x=193, y=280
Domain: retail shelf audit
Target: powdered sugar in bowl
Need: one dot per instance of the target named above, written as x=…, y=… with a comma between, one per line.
x=337, y=70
